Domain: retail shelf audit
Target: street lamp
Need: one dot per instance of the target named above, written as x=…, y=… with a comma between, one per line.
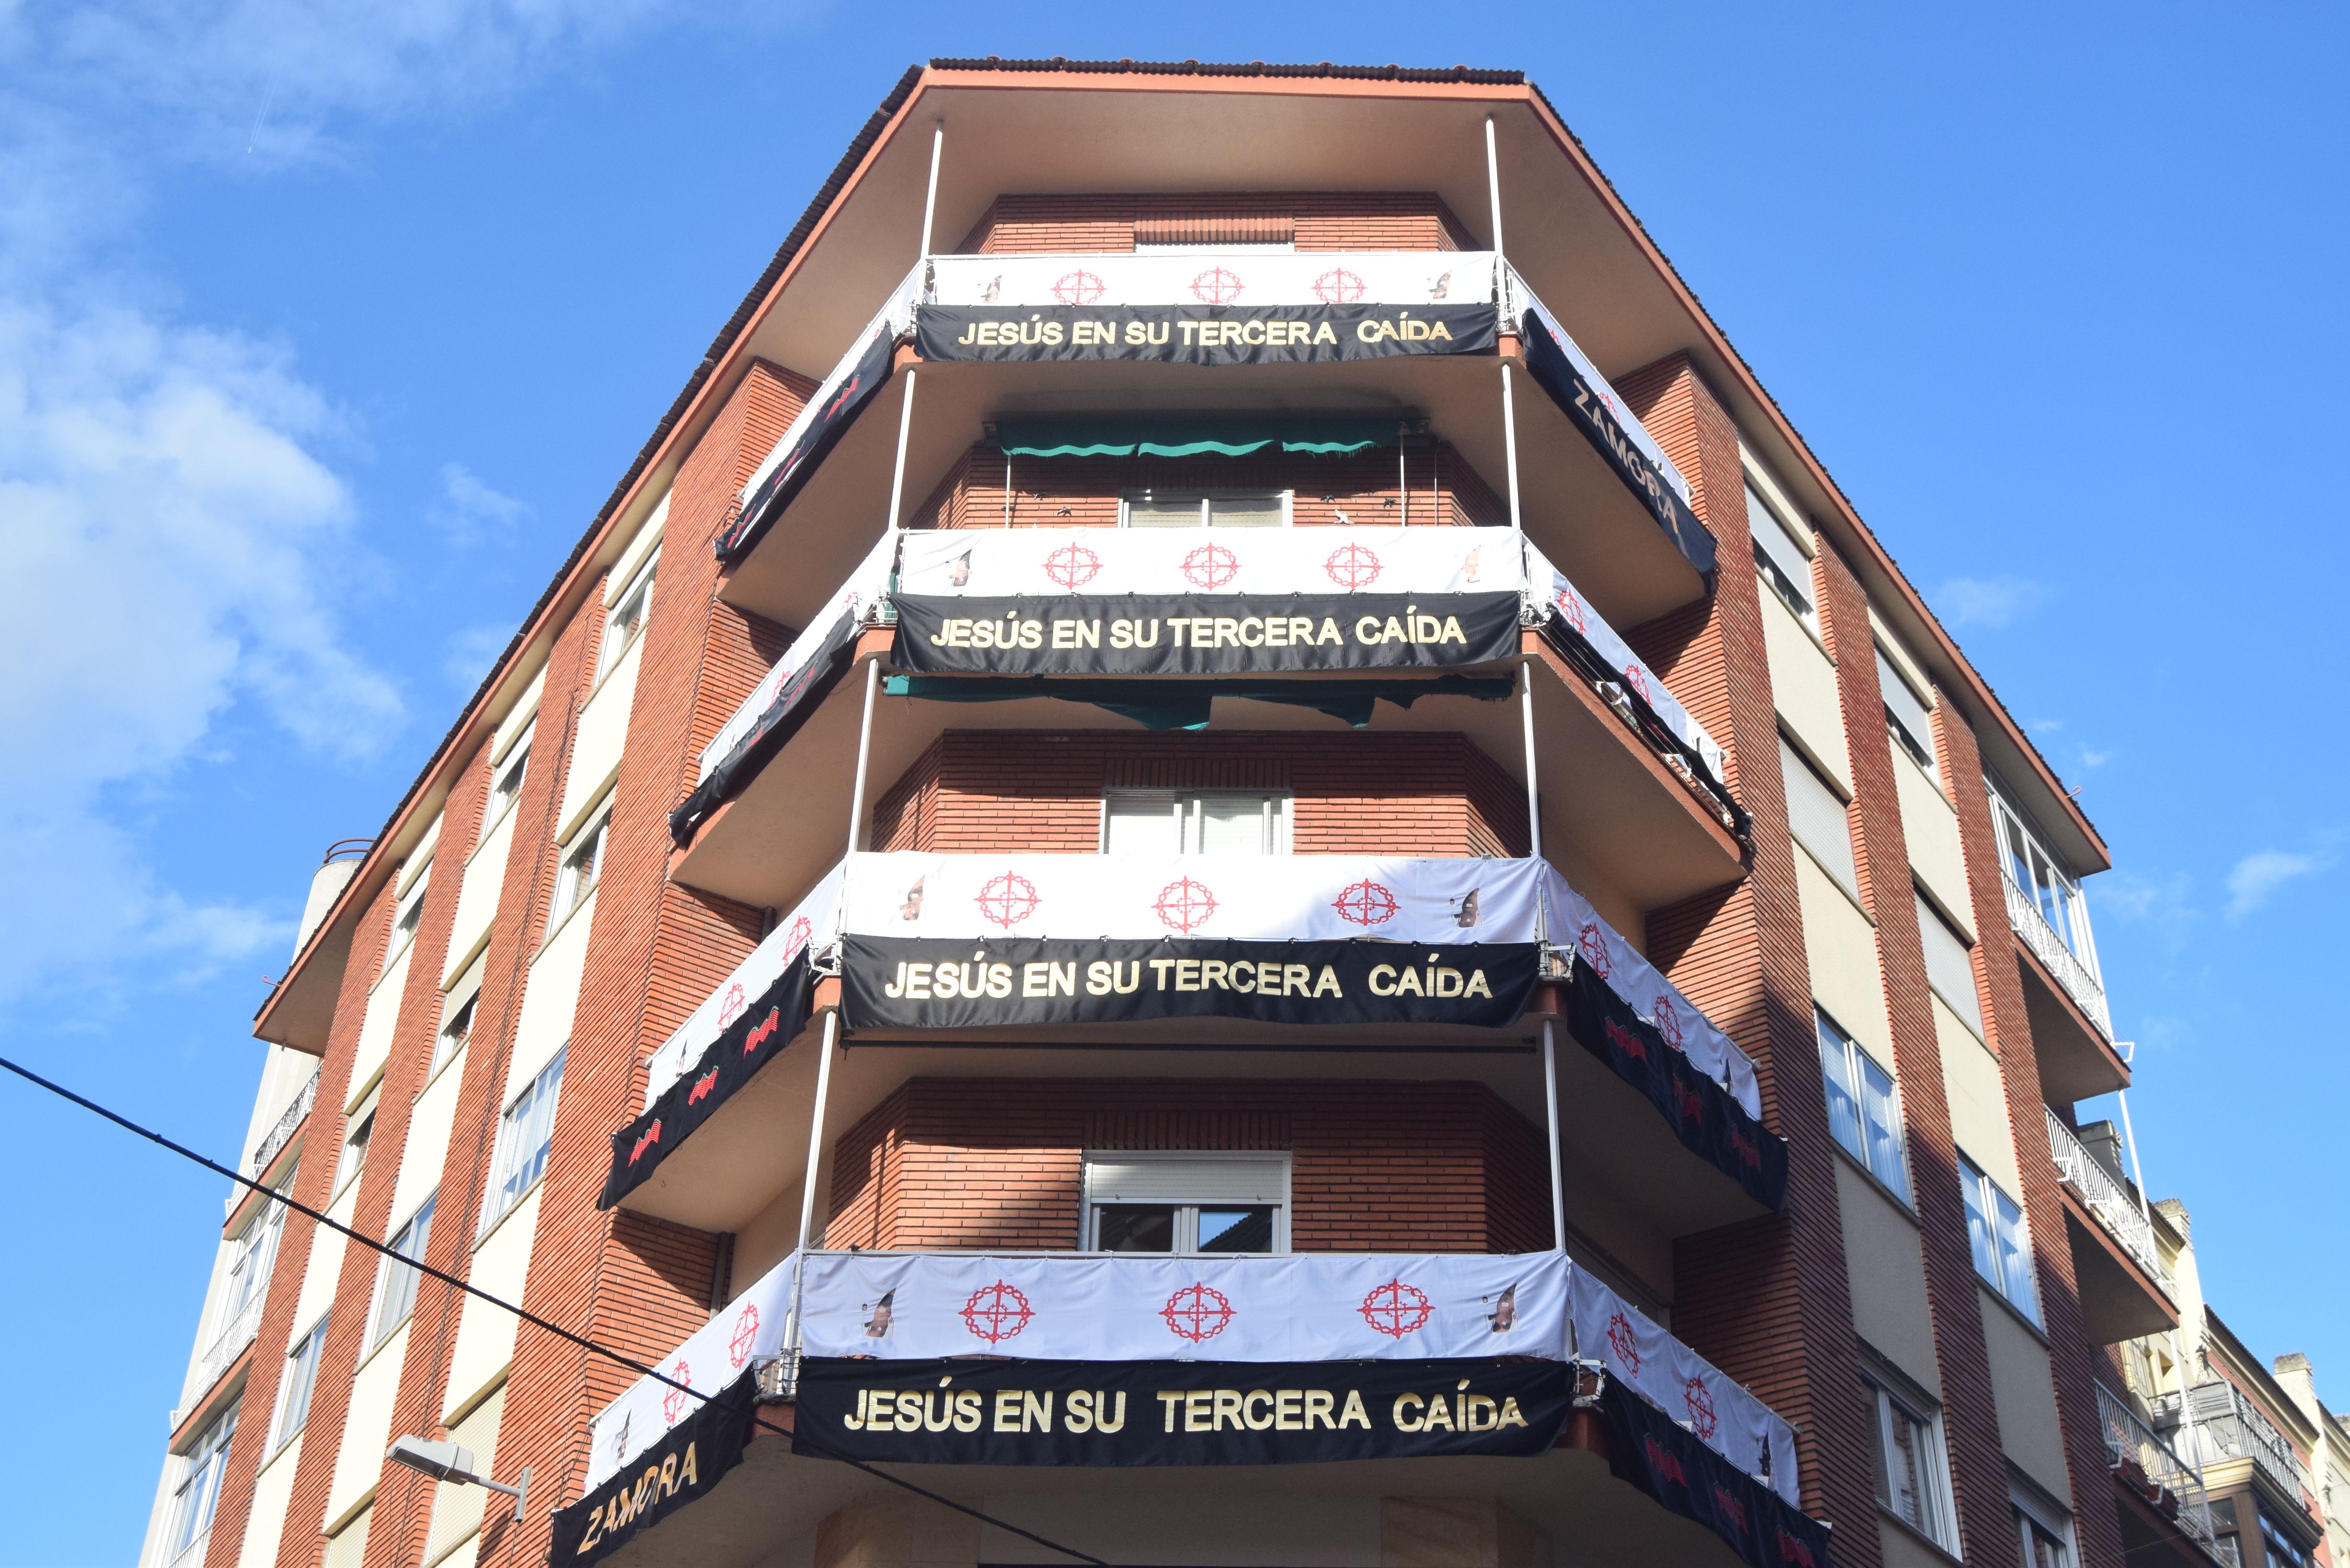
x=448, y=1462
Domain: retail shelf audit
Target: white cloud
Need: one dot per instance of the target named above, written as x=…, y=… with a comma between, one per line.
x=2253, y=880
x=1992, y=602
x=470, y=512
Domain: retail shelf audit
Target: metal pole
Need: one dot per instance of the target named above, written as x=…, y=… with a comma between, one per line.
x=1533, y=791
x=897, y=472
x=1493, y=182
x=864, y=753
x=930, y=201
x=2129, y=1136
x=1509, y=444
x=816, y=1125
x=1550, y=1108
x=1403, y=486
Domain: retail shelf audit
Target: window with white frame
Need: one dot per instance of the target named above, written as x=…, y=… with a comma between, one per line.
x=627, y=616
x=1195, y=822
x=407, y=915
x=1863, y=1106
x=295, y=1384
x=1950, y=964
x=255, y=1252
x=1908, y=714
x=357, y=1132
x=524, y=1134
x=1206, y=509
x=457, y=1008
x=2042, y=879
x=2047, y=1536
x=1780, y=560
x=1999, y=1238
x=505, y=780
x=1186, y=1202
x=202, y=1466
x=1817, y=817
x=395, y=1286
x=1912, y=1481
x=583, y=862
x=2280, y=1548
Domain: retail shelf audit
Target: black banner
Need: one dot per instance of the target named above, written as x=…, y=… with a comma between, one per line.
x=678, y=1471
x=1173, y=634
x=1702, y=1114
x=748, y=1042
x=1203, y=333
x=1659, y=735
x=783, y=716
x=906, y=983
x=1653, y=1452
x=1117, y=1413
x=821, y=434
x=1581, y=402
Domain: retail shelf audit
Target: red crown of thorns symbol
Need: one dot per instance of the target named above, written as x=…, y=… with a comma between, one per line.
x=997, y=1312
x=1216, y=286
x=732, y=1006
x=1620, y=1341
x=1197, y=1313
x=1073, y=565
x=1184, y=904
x=1007, y=899
x=1699, y=1399
x=1338, y=286
x=1396, y=1309
x=1351, y=566
x=746, y=1333
x=1668, y=1021
x=801, y=930
x=1594, y=948
x=1570, y=607
x=1366, y=904
x=1639, y=681
x=673, y=1402
x=1078, y=287
x=1211, y=566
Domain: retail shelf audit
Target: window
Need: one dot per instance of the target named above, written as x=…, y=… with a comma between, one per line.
x=457, y=1006
x=627, y=616
x=1192, y=509
x=1208, y=822
x=300, y=1376
x=347, y=1548
x=457, y=1510
x=1908, y=715
x=2042, y=879
x=256, y=1250
x=2002, y=1244
x=1780, y=560
x=1817, y=818
x=1909, y=1484
x=2045, y=1545
x=1186, y=1203
x=524, y=1134
x=360, y=1128
x=407, y=915
x=395, y=1290
x=205, y=1462
x=582, y=863
x=1864, y=1110
x=2282, y=1550
x=505, y=784
x=1950, y=964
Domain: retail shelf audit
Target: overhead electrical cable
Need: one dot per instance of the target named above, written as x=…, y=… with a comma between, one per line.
x=529, y=1317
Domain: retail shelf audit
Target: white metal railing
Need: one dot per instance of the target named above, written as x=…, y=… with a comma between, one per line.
x=2029, y=923
x=1242, y=278
x=2227, y=1425
x=227, y=1346
x=2131, y=1442
x=2106, y=1198
x=276, y=1140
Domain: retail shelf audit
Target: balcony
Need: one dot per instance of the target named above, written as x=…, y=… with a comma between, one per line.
x=221, y=1354
x=2220, y=1425
x=2126, y=1289
x=2040, y=938
x=2154, y=1475
x=281, y=1133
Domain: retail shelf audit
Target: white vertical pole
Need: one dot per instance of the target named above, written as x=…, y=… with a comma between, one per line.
x=2130, y=1135
x=1403, y=486
x=816, y=1127
x=1493, y=182
x=1550, y=1108
x=864, y=753
x=897, y=472
x=1509, y=445
x=1533, y=791
x=930, y=201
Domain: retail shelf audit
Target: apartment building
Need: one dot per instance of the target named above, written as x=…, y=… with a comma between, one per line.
x=1225, y=849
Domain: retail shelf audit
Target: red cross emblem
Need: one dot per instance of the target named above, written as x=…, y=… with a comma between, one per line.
x=1638, y=677
x=1366, y=904
x=1699, y=1399
x=997, y=1312
x=673, y=1402
x=1217, y=285
x=1184, y=905
x=746, y=1332
x=730, y=1006
x=1570, y=607
x=1623, y=1343
x=1197, y=1313
x=1078, y=287
x=1073, y=565
x=801, y=931
x=1007, y=899
x=1594, y=948
x=1338, y=286
x=1211, y=566
x=1352, y=566
x=1668, y=1021
x=1396, y=1309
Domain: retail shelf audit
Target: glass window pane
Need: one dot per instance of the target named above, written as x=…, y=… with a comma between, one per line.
x=1882, y=1118
x=1843, y=1099
x=1232, y=824
x=1135, y=1227
x=1905, y=1462
x=2015, y=1255
x=1163, y=512
x=1980, y=1238
x=1245, y=511
x=1140, y=825
x=1236, y=1229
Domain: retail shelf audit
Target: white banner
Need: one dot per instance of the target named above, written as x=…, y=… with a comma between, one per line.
x=1548, y=586
x=748, y=1329
x=999, y=562
x=1206, y=277
x=815, y=924
x=861, y=596
x=897, y=313
x=1206, y=897
x=1523, y=299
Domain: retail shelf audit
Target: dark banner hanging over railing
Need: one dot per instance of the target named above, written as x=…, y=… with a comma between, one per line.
x=1648, y=1449
x=1203, y=333
x=701, y=1446
x=795, y=696
x=821, y=434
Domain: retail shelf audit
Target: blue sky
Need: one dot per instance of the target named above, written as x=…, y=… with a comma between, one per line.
x=324, y=330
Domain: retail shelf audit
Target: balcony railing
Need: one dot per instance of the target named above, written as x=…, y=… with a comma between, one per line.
x=276, y=1140
x=227, y=1346
x=2133, y=1448
x=2029, y=923
x=2106, y=1198
x=2227, y=1425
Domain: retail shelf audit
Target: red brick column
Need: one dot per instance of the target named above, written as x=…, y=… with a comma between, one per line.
x=1768, y=1301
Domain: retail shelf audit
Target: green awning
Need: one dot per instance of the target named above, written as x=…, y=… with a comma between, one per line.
x=1191, y=438
x=1183, y=704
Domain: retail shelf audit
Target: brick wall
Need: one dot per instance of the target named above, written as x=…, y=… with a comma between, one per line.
x=1333, y=221
x=1353, y=794
x=1375, y=1165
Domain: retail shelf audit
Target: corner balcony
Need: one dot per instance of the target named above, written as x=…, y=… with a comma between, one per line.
x=2127, y=1289
x=2165, y=1496
x=1060, y=1388
x=2071, y=1028
x=2219, y=1427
